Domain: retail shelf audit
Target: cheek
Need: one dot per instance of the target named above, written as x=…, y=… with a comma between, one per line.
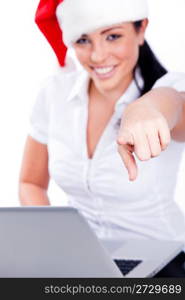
x=82, y=56
x=128, y=53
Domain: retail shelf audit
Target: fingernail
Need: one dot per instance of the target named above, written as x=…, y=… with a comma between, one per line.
x=119, y=141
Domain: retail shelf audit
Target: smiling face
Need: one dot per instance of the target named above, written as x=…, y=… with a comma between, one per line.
x=110, y=55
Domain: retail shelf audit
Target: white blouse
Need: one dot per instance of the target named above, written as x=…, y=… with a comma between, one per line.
x=99, y=187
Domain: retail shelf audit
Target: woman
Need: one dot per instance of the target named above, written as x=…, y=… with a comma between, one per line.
x=76, y=124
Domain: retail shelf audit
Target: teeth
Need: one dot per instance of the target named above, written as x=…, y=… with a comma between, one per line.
x=103, y=70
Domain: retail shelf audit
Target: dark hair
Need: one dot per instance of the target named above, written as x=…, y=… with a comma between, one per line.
x=150, y=67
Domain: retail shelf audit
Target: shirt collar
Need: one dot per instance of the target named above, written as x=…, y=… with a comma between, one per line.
x=80, y=88
x=133, y=91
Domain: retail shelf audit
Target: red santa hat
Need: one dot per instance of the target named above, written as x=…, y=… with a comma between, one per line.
x=64, y=21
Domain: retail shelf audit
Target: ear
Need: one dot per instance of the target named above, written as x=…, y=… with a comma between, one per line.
x=142, y=31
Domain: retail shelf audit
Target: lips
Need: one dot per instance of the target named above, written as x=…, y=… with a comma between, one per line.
x=104, y=72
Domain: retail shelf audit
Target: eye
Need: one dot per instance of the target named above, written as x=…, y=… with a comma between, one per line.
x=113, y=37
x=82, y=41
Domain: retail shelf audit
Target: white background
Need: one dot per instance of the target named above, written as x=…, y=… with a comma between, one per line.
x=26, y=60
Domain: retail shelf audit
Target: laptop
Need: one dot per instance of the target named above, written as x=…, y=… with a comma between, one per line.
x=57, y=242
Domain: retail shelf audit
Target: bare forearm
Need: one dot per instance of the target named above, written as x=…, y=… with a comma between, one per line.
x=167, y=101
x=33, y=195
x=148, y=124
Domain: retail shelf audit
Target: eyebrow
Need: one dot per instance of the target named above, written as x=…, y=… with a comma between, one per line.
x=112, y=28
x=104, y=31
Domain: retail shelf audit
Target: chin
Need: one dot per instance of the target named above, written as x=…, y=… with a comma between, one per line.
x=108, y=84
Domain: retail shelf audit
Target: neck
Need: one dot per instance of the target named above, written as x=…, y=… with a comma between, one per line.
x=111, y=95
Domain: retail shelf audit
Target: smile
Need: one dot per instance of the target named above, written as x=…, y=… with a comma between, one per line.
x=104, y=72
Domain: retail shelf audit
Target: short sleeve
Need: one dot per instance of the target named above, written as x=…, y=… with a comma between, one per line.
x=39, y=119
x=173, y=80
x=54, y=91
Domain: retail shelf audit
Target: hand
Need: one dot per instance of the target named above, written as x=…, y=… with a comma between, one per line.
x=144, y=132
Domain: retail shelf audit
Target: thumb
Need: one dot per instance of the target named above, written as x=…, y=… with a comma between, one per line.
x=125, y=138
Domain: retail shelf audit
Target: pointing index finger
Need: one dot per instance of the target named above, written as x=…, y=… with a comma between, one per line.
x=125, y=148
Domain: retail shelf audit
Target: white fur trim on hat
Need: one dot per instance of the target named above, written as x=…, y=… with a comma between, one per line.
x=77, y=17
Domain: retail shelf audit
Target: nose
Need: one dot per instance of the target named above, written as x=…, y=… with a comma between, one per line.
x=99, y=53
